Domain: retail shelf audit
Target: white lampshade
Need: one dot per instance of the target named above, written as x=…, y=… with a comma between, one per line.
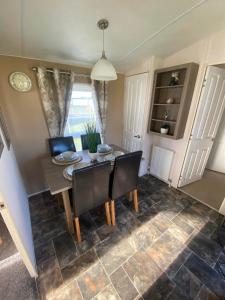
x=103, y=70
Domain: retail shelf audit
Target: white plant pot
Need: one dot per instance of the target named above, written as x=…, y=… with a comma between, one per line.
x=93, y=156
x=164, y=130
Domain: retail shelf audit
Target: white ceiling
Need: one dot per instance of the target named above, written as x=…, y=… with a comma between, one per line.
x=66, y=31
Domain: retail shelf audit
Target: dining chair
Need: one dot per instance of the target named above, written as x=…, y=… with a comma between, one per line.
x=84, y=140
x=60, y=144
x=90, y=187
x=124, y=179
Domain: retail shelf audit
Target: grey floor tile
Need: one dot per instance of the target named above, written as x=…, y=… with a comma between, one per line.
x=49, y=229
x=177, y=294
x=44, y=251
x=165, y=250
x=79, y=265
x=206, y=248
x=144, y=236
x=89, y=240
x=48, y=282
x=178, y=262
x=108, y=232
x=65, y=249
x=123, y=285
x=220, y=266
x=108, y=293
x=206, y=294
x=160, y=289
x=67, y=292
x=179, y=221
x=93, y=281
x=161, y=222
x=208, y=276
x=187, y=282
x=145, y=275
x=113, y=255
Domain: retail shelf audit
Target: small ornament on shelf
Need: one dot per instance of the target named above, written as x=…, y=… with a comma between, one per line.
x=166, y=115
x=169, y=101
x=174, y=80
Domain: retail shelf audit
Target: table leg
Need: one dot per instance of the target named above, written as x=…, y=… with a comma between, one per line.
x=67, y=206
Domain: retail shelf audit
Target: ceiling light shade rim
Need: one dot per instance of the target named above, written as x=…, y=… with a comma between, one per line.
x=103, y=70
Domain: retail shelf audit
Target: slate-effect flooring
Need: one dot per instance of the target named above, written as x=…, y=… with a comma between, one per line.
x=169, y=250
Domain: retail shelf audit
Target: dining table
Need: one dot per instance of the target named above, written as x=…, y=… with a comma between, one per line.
x=58, y=184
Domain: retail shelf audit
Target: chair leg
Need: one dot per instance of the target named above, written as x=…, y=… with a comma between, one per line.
x=135, y=200
x=77, y=227
x=129, y=196
x=107, y=212
x=113, y=212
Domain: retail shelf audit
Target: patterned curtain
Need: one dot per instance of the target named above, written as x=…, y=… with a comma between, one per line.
x=100, y=89
x=55, y=90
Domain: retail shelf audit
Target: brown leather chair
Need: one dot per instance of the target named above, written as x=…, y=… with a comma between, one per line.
x=90, y=190
x=124, y=179
x=58, y=145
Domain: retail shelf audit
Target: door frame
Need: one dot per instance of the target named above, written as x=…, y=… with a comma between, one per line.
x=197, y=93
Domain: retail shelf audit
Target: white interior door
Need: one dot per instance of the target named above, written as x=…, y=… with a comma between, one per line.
x=14, y=208
x=216, y=160
x=135, y=113
x=207, y=120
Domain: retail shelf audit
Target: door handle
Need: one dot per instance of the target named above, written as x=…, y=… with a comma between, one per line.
x=137, y=136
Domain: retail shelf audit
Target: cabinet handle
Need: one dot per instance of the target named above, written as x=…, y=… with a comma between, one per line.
x=137, y=136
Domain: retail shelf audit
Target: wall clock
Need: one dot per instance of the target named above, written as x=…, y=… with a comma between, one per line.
x=20, y=82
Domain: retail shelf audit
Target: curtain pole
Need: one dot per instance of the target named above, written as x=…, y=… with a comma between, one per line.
x=63, y=72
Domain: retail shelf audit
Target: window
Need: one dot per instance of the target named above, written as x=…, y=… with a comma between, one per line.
x=81, y=111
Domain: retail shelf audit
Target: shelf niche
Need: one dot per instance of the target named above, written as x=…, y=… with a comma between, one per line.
x=177, y=112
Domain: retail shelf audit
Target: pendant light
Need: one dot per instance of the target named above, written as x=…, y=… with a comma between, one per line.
x=103, y=70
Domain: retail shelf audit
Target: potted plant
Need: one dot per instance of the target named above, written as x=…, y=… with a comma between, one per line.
x=164, y=128
x=92, y=139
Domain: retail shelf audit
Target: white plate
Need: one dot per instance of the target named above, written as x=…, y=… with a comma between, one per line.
x=67, y=156
x=111, y=157
x=67, y=162
x=68, y=171
x=118, y=153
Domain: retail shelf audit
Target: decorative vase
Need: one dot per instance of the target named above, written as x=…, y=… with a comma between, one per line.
x=93, y=156
x=164, y=130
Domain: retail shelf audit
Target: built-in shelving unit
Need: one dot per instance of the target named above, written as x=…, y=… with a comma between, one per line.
x=173, y=114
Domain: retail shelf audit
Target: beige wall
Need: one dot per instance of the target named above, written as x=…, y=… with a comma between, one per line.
x=26, y=122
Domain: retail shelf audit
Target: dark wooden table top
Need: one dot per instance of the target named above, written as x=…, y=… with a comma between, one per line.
x=54, y=173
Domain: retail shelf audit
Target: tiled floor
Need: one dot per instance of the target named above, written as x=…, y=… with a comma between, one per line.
x=168, y=250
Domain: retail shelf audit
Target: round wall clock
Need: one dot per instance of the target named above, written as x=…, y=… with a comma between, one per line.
x=20, y=82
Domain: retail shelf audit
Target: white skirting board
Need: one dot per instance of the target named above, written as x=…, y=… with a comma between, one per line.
x=161, y=162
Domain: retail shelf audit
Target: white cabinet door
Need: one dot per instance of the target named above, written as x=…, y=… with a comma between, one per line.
x=207, y=120
x=135, y=113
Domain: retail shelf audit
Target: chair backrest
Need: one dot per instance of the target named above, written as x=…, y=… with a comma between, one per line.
x=58, y=145
x=90, y=187
x=84, y=140
x=124, y=177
